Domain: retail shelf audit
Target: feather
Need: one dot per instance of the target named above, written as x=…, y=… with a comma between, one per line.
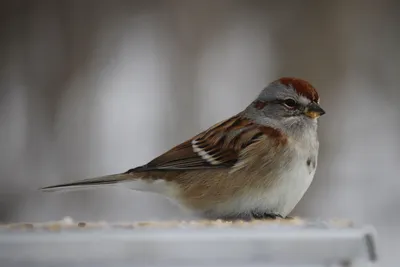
x=88, y=183
x=223, y=146
x=218, y=147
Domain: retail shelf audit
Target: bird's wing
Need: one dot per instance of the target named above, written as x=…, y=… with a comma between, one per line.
x=232, y=143
x=218, y=147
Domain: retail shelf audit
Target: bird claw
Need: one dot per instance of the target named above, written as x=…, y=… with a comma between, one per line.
x=255, y=215
x=265, y=215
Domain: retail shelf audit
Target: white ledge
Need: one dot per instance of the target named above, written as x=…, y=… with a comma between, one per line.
x=268, y=243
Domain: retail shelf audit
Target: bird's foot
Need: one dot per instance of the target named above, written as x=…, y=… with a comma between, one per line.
x=265, y=215
x=254, y=215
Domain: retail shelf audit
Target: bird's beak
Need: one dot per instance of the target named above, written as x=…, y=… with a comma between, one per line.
x=313, y=111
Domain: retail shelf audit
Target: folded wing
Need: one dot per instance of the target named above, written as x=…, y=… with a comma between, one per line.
x=218, y=147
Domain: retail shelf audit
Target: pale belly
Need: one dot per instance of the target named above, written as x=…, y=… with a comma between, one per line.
x=280, y=198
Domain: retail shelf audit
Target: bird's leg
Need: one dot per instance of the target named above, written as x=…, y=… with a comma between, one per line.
x=254, y=215
x=257, y=215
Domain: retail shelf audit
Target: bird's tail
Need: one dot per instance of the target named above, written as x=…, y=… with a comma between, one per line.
x=89, y=183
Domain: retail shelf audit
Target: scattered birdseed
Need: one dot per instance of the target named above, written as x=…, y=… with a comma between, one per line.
x=68, y=223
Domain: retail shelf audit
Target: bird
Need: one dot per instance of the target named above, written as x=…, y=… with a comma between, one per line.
x=255, y=165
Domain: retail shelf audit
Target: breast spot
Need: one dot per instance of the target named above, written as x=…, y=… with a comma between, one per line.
x=310, y=164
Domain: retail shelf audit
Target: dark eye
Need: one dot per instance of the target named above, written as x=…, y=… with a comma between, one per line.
x=290, y=103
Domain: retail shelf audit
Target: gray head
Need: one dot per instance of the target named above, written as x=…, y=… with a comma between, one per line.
x=290, y=104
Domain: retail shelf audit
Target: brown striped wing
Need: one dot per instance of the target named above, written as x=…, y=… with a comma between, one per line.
x=217, y=147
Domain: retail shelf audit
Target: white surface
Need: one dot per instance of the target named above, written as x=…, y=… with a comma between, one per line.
x=256, y=246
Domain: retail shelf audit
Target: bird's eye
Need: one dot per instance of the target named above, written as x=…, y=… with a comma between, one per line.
x=290, y=103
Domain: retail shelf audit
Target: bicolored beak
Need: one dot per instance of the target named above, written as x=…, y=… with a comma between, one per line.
x=313, y=110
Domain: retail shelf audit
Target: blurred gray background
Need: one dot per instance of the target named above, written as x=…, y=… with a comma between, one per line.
x=90, y=88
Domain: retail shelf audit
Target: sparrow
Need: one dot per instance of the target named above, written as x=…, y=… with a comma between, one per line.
x=255, y=165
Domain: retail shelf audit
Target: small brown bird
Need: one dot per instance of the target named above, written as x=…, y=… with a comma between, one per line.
x=256, y=164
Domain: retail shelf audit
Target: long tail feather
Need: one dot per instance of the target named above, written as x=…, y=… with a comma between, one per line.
x=88, y=183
